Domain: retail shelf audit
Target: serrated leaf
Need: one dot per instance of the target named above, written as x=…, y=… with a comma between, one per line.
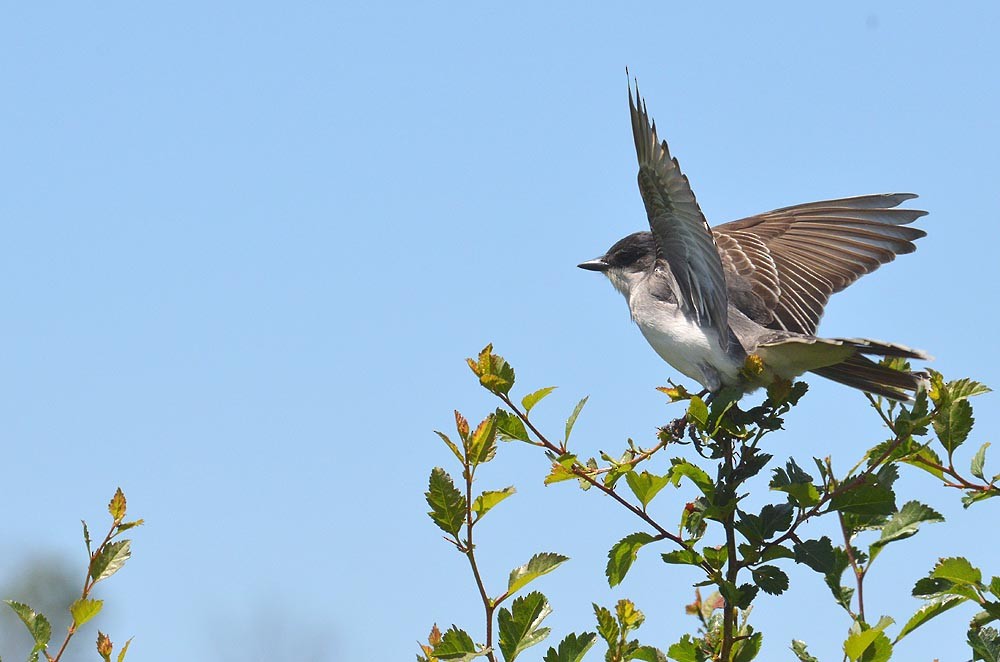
x=865, y=499
x=904, y=524
x=770, y=579
x=110, y=559
x=482, y=445
x=957, y=570
x=450, y=444
x=953, y=424
x=682, y=557
x=494, y=373
x=571, y=421
x=645, y=485
x=520, y=627
x=697, y=412
x=84, y=609
x=561, y=469
x=510, y=427
x=117, y=506
x=817, y=554
x=795, y=482
x=462, y=426
x=686, y=650
x=966, y=388
x=124, y=650
x=928, y=611
x=985, y=643
x=86, y=534
x=995, y=587
x=858, y=642
x=572, y=648
x=775, y=518
x=628, y=616
x=716, y=556
x=38, y=626
x=529, y=401
x=125, y=526
x=977, y=496
x=682, y=468
x=456, y=644
x=538, y=565
x=485, y=501
x=649, y=654
x=607, y=626
x=623, y=554
x=978, y=460
x=447, y=503
x=747, y=649
x=799, y=648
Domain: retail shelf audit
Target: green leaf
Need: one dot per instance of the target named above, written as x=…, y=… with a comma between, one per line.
x=686, y=650
x=629, y=617
x=538, y=565
x=448, y=442
x=817, y=554
x=681, y=468
x=995, y=587
x=953, y=424
x=520, y=626
x=858, y=642
x=446, y=502
x=117, y=506
x=645, y=485
x=928, y=611
x=37, y=624
x=904, y=524
x=770, y=579
x=532, y=399
x=623, y=554
x=482, y=445
x=977, y=496
x=966, y=388
x=562, y=469
x=572, y=648
x=607, y=626
x=683, y=557
x=510, y=427
x=716, y=556
x=979, y=460
x=648, y=654
x=747, y=649
x=84, y=609
x=485, y=501
x=571, y=421
x=697, y=413
x=865, y=499
x=775, y=518
x=796, y=483
x=799, y=648
x=985, y=643
x=957, y=570
x=456, y=644
x=494, y=373
x=124, y=650
x=110, y=559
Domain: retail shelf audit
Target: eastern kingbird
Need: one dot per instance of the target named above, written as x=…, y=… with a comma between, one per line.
x=707, y=299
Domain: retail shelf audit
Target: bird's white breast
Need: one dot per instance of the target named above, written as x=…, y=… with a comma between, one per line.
x=681, y=342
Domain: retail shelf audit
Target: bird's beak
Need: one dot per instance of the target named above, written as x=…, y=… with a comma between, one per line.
x=597, y=264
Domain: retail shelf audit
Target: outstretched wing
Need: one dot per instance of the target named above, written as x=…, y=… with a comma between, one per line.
x=794, y=258
x=684, y=241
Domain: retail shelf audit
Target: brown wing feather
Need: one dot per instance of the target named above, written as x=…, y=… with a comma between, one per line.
x=795, y=258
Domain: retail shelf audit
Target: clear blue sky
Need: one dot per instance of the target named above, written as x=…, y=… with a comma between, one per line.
x=247, y=246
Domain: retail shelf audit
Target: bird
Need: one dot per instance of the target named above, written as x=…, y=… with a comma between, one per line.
x=738, y=305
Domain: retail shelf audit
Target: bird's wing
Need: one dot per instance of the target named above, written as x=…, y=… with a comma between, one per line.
x=794, y=258
x=684, y=241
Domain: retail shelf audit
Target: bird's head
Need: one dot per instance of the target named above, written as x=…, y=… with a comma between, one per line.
x=627, y=261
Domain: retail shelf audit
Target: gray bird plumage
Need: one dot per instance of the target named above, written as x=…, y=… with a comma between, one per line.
x=708, y=298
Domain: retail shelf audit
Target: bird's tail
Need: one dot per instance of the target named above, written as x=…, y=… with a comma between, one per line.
x=860, y=372
x=844, y=360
